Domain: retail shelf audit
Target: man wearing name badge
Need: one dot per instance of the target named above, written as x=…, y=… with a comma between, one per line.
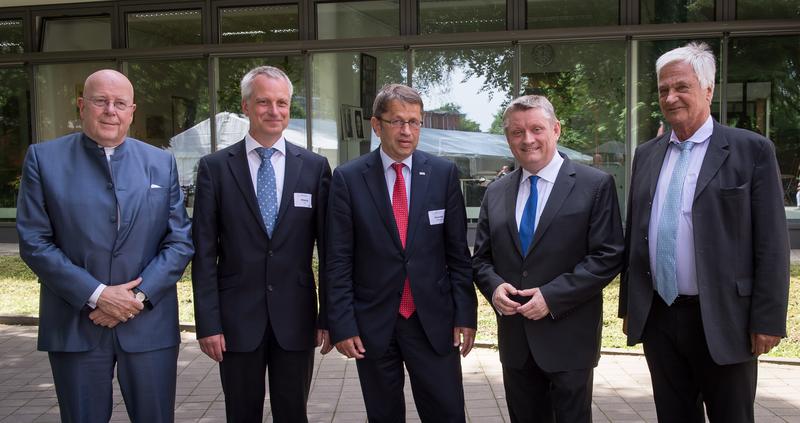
x=707, y=278
x=259, y=210
x=101, y=222
x=399, y=281
x=549, y=239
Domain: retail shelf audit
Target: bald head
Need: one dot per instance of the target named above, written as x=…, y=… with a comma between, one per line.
x=107, y=107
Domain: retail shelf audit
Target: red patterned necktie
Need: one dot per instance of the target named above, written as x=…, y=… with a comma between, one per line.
x=400, y=208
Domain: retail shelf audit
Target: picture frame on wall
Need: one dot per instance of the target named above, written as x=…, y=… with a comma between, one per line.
x=369, y=82
x=352, y=124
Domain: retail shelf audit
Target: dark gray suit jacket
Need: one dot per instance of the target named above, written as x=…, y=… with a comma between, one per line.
x=740, y=235
x=575, y=252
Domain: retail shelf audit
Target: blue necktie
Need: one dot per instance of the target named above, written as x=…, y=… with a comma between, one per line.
x=666, y=271
x=527, y=225
x=266, y=189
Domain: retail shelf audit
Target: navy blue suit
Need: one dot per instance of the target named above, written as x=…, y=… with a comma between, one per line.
x=71, y=236
x=367, y=267
x=257, y=291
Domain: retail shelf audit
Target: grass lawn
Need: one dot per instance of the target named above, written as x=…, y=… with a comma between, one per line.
x=19, y=295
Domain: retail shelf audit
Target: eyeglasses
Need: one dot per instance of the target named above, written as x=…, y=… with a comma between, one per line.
x=102, y=103
x=398, y=123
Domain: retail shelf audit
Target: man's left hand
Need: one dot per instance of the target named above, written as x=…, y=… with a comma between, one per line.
x=101, y=318
x=762, y=344
x=324, y=341
x=536, y=308
x=465, y=337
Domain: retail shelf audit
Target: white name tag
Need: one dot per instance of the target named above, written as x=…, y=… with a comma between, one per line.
x=436, y=217
x=302, y=199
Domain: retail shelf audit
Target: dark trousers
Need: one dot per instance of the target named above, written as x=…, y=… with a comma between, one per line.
x=243, y=376
x=435, y=379
x=83, y=382
x=536, y=396
x=684, y=374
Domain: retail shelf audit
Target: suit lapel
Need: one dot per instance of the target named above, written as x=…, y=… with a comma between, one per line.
x=240, y=169
x=420, y=175
x=716, y=154
x=376, y=184
x=510, y=199
x=561, y=189
x=292, y=170
x=654, y=163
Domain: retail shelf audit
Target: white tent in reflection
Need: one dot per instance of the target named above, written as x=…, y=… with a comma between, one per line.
x=189, y=146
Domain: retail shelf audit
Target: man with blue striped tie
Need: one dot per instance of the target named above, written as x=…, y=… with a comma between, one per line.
x=549, y=238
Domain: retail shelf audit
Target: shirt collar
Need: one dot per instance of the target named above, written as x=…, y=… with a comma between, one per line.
x=251, y=144
x=549, y=172
x=702, y=134
x=388, y=161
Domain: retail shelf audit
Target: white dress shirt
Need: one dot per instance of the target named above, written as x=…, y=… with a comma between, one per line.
x=684, y=256
x=278, y=160
x=544, y=186
x=391, y=175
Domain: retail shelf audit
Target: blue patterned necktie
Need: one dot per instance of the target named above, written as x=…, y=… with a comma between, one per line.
x=666, y=271
x=527, y=225
x=266, y=189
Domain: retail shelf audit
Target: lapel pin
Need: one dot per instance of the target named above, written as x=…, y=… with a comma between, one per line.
x=422, y=173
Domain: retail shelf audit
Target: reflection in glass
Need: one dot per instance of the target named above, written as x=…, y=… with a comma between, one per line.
x=465, y=92
x=566, y=13
x=164, y=28
x=11, y=36
x=767, y=9
x=763, y=95
x=58, y=87
x=171, y=105
x=436, y=16
x=15, y=135
x=84, y=33
x=585, y=82
x=675, y=11
x=374, y=18
x=255, y=24
x=648, y=122
x=344, y=86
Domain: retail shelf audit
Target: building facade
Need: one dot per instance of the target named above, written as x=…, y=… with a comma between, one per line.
x=594, y=59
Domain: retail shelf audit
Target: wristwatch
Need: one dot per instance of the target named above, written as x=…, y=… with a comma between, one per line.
x=142, y=297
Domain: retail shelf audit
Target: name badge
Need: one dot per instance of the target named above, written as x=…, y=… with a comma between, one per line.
x=302, y=199
x=436, y=217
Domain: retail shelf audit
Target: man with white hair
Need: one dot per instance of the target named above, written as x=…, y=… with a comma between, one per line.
x=707, y=278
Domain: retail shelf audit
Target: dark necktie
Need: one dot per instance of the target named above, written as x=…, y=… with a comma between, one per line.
x=400, y=208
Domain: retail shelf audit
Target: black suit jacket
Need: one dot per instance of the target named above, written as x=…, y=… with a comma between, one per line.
x=367, y=265
x=575, y=252
x=241, y=278
x=740, y=235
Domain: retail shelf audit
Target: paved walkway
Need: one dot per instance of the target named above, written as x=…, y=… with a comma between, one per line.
x=621, y=388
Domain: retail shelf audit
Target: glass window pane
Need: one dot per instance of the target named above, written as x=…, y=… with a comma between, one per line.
x=344, y=87
x=259, y=24
x=84, y=33
x=566, y=13
x=58, y=87
x=12, y=36
x=375, y=18
x=763, y=95
x=436, y=16
x=465, y=92
x=675, y=11
x=585, y=82
x=648, y=122
x=15, y=135
x=172, y=107
x=767, y=9
x=164, y=28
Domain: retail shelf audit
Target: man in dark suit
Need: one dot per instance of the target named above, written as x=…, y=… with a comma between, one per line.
x=399, y=282
x=707, y=276
x=259, y=208
x=549, y=239
x=102, y=224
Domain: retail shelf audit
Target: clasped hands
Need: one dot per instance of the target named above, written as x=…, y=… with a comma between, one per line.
x=536, y=308
x=117, y=304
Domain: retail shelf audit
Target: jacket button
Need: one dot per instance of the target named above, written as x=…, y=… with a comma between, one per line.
x=524, y=273
x=110, y=185
x=270, y=253
x=113, y=219
x=645, y=238
x=269, y=288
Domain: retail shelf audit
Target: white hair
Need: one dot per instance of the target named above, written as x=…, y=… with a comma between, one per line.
x=268, y=71
x=699, y=56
